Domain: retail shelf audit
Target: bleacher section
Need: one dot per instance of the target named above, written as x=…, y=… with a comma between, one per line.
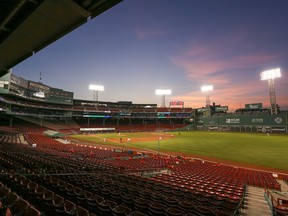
x=72, y=179
x=8, y=135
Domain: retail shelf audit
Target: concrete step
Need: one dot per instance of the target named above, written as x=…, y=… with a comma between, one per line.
x=257, y=207
x=255, y=203
x=260, y=196
x=284, y=186
x=256, y=212
x=255, y=193
x=255, y=190
x=256, y=198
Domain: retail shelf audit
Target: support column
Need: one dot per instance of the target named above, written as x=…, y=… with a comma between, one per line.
x=274, y=110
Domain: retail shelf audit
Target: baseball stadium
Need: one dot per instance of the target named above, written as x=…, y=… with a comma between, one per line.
x=65, y=156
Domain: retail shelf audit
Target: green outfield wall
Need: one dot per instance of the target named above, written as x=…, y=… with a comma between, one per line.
x=245, y=123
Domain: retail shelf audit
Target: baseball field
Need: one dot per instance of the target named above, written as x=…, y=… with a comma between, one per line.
x=259, y=151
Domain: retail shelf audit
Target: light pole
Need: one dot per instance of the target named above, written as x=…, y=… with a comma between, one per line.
x=207, y=89
x=163, y=93
x=96, y=89
x=270, y=75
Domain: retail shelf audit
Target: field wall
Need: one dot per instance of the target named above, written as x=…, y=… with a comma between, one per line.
x=245, y=123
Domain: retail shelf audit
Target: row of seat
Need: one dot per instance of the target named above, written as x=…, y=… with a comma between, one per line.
x=206, y=169
x=120, y=189
x=251, y=177
x=221, y=172
x=84, y=150
x=12, y=204
x=191, y=186
x=104, y=191
x=9, y=137
x=51, y=203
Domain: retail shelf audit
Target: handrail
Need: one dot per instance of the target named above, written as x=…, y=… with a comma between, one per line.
x=274, y=201
x=241, y=203
x=270, y=196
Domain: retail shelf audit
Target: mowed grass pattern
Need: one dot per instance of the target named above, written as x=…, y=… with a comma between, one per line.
x=255, y=149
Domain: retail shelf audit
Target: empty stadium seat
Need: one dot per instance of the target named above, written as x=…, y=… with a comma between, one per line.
x=174, y=212
x=80, y=211
x=121, y=210
x=19, y=207
x=31, y=211
x=105, y=207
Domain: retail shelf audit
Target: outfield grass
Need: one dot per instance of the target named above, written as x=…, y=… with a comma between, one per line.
x=255, y=149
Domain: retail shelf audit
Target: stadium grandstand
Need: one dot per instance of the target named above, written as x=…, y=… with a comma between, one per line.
x=44, y=172
x=56, y=109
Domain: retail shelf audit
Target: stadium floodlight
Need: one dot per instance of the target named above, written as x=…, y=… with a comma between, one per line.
x=270, y=75
x=207, y=89
x=163, y=93
x=96, y=89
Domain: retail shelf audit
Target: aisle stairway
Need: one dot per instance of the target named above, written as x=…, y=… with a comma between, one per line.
x=255, y=203
x=284, y=186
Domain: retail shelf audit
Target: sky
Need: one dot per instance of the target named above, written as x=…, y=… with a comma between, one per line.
x=139, y=46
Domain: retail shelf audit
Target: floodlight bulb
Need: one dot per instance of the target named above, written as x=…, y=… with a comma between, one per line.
x=96, y=87
x=91, y=87
x=270, y=74
x=206, y=88
x=163, y=92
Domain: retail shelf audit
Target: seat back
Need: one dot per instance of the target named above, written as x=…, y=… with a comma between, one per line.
x=81, y=211
x=19, y=207
x=31, y=211
x=10, y=200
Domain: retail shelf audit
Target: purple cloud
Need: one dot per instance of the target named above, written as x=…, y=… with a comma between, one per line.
x=206, y=64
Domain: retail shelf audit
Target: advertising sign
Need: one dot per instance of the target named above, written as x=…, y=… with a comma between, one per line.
x=254, y=106
x=221, y=109
x=176, y=103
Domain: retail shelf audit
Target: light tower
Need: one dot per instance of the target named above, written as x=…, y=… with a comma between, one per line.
x=207, y=89
x=270, y=75
x=96, y=89
x=163, y=93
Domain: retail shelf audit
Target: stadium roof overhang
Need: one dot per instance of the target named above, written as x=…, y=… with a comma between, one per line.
x=27, y=26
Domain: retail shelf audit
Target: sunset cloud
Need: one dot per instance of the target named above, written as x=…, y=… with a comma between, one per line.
x=205, y=64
